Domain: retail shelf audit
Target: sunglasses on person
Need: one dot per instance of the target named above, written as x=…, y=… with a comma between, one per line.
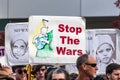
x=91, y=64
x=21, y=71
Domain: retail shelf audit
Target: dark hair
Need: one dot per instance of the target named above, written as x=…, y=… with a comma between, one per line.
x=57, y=71
x=111, y=67
x=17, y=66
x=50, y=69
x=37, y=68
x=82, y=59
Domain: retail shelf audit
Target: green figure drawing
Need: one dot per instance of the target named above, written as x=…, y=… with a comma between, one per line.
x=43, y=41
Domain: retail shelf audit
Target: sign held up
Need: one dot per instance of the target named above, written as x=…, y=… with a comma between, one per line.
x=55, y=38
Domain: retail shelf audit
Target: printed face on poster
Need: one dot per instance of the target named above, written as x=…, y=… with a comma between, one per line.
x=16, y=43
x=56, y=39
x=102, y=44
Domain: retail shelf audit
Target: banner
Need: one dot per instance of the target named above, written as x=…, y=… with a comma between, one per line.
x=56, y=39
x=2, y=49
x=16, y=43
x=103, y=44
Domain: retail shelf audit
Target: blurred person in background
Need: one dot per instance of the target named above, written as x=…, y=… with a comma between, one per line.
x=6, y=73
x=21, y=72
x=113, y=71
x=73, y=76
x=39, y=71
x=58, y=74
x=100, y=77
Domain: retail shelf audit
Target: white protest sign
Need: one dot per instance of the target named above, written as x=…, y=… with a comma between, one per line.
x=16, y=43
x=56, y=39
x=103, y=45
x=2, y=49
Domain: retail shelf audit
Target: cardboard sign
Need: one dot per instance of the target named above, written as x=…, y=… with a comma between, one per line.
x=2, y=49
x=56, y=39
x=16, y=43
x=103, y=44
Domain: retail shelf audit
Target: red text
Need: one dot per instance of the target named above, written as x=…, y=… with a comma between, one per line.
x=69, y=40
x=71, y=29
x=65, y=51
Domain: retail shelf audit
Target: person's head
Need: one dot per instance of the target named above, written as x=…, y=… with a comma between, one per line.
x=6, y=73
x=113, y=71
x=21, y=72
x=86, y=65
x=104, y=48
x=18, y=48
x=39, y=71
x=58, y=74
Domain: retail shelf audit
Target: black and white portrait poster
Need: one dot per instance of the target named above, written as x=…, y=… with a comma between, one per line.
x=16, y=43
x=103, y=45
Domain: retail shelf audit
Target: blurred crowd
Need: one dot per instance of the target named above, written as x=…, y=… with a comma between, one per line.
x=86, y=66
x=36, y=72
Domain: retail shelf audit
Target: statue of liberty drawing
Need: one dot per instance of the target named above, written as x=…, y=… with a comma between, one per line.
x=42, y=41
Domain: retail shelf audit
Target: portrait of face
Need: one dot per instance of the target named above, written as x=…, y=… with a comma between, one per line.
x=19, y=48
x=105, y=52
x=104, y=48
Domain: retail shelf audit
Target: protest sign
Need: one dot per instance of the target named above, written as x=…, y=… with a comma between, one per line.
x=2, y=49
x=103, y=44
x=56, y=39
x=16, y=43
